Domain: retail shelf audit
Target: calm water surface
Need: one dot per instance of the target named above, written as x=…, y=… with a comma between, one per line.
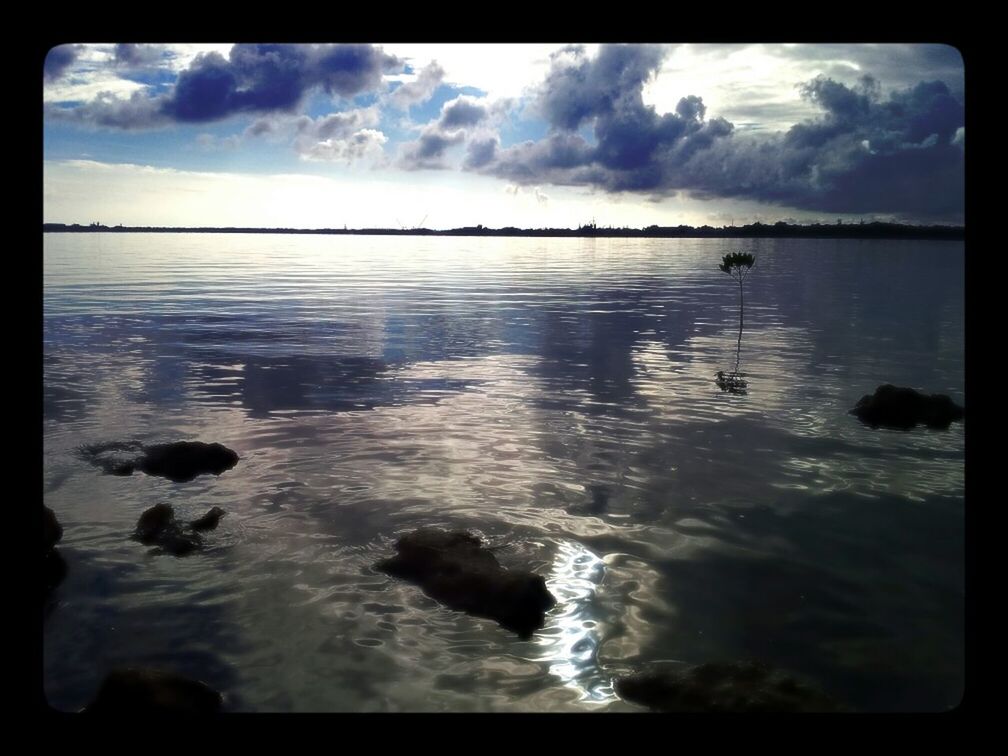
x=556, y=396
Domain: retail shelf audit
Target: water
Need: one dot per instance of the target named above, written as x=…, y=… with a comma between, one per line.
x=557, y=397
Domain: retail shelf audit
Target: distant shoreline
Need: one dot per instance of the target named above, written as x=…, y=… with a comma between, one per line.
x=874, y=230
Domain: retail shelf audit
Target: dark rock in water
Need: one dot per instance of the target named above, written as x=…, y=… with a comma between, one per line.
x=455, y=569
x=903, y=408
x=154, y=522
x=52, y=531
x=723, y=687
x=180, y=461
x=157, y=527
x=209, y=520
x=184, y=460
x=150, y=691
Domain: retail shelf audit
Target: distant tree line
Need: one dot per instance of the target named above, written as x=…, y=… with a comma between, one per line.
x=870, y=230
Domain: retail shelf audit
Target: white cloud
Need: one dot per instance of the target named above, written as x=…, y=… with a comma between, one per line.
x=357, y=146
x=500, y=70
x=417, y=88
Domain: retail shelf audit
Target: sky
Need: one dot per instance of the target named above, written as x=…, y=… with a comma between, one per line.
x=534, y=135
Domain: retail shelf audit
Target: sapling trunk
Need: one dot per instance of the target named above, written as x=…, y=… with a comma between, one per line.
x=737, y=265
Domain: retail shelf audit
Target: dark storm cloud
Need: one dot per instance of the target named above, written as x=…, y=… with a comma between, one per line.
x=898, y=65
x=253, y=78
x=58, y=60
x=578, y=87
x=866, y=153
x=273, y=77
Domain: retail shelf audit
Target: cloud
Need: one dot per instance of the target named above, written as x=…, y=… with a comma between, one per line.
x=429, y=149
x=139, y=111
x=481, y=152
x=420, y=89
x=347, y=135
x=356, y=146
x=58, y=60
x=864, y=153
x=459, y=120
x=138, y=56
x=261, y=127
x=253, y=78
x=460, y=112
x=578, y=87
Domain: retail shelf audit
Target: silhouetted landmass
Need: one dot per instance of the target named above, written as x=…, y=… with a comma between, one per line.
x=871, y=230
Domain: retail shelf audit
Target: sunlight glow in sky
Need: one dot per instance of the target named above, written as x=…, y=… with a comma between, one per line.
x=312, y=136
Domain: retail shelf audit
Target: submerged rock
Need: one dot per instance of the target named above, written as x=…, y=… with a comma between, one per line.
x=904, y=408
x=150, y=690
x=455, y=569
x=157, y=527
x=180, y=461
x=209, y=520
x=723, y=687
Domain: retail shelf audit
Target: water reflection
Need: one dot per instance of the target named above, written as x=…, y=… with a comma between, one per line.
x=570, y=639
x=542, y=392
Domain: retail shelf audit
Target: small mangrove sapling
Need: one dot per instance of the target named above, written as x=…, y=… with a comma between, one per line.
x=737, y=265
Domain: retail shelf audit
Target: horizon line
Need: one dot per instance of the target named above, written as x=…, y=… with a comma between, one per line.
x=757, y=228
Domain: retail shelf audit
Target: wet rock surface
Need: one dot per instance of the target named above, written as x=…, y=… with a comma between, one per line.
x=150, y=690
x=454, y=568
x=158, y=527
x=209, y=520
x=904, y=408
x=180, y=461
x=724, y=687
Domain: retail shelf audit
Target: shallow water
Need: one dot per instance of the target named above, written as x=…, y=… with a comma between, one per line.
x=557, y=397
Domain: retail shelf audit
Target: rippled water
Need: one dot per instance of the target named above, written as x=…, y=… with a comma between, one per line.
x=557, y=397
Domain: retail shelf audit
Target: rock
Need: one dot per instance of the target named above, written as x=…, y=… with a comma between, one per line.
x=180, y=461
x=895, y=407
x=455, y=569
x=209, y=520
x=723, y=687
x=52, y=531
x=154, y=522
x=184, y=460
x=151, y=691
x=157, y=527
